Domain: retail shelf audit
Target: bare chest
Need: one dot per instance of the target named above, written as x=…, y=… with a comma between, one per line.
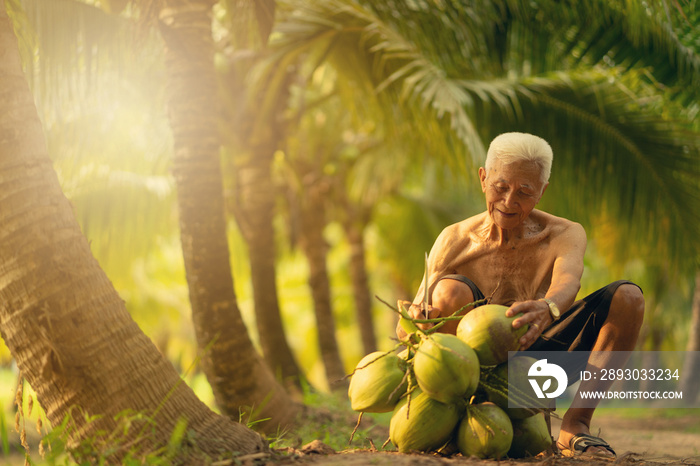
x=508, y=274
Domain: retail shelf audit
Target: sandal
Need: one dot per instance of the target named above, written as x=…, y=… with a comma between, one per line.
x=580, y=442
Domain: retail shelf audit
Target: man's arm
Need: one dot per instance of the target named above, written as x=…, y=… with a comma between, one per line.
x=438, y=258
x=568, y=267
x=566, y=282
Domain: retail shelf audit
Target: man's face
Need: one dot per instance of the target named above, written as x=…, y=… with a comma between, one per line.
x=512, y=191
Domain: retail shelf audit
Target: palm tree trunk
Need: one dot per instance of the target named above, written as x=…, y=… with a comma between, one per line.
x=260, y=133
x=691, y=369
x=360, y=285
x=314, y=245
x=255, y=217
x=66, y=326
x=236, y=372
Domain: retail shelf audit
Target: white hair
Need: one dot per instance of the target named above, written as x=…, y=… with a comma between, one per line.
x=514, y=147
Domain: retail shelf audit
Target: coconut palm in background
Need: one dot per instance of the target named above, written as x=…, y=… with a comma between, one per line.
x=608, y=94
x=114, y=186
x=248, y=390
x=315, y=165
x=252, y=134
x=502, y=65
x=235, y=370
x=65, y=324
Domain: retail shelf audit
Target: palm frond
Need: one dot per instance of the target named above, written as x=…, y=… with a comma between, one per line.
x=70, y=35
x=391, y=61
x=101, y=103
x=124, y=215
x=630, y=34
x=555, y=78
x=621, y=154
x=249, y=23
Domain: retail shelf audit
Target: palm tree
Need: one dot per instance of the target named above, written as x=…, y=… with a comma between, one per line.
x=237, y=374
x=326, y=171
x=690, y=381
x=311, y=208
x=606, y=83
x=254, y=132
x=64, y=323
x=259, y=393
x=586, y=86
x=355, y=221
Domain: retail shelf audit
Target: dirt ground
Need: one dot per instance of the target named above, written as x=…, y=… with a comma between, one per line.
x=638, y=442
x=645, y=442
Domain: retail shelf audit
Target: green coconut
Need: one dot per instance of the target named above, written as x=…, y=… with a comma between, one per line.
x=446, y=368
x=530, y=437
x=423, y=425
x=377, y=383
x=490, y=333
x=495, y=384
x=485, y=432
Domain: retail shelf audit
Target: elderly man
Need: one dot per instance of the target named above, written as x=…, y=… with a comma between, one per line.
x=532, y=261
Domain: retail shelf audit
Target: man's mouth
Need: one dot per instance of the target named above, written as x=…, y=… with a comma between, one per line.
x=506, y=214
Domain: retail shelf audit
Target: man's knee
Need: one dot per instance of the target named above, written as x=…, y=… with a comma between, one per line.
x=450, y=295
x=628, y=299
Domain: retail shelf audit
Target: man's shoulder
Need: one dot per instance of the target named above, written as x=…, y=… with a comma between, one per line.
x=460, y=231
x=465, y=226
x=553, y=221
x=560, y=228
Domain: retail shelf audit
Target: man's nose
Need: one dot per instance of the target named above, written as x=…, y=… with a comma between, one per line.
x=510, y=200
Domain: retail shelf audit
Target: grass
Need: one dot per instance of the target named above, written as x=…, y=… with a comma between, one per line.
x=330, y=420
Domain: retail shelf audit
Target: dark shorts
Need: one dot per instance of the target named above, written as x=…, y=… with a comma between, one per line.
x=576, y=329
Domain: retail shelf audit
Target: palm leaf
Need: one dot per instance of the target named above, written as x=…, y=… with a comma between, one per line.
x=105, y=124
x=607, y=120
x=71, y=35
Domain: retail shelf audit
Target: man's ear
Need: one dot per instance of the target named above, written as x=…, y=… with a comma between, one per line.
x=543, y=190
x=482, y=178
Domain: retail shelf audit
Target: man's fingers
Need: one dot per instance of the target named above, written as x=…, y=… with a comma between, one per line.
x=513, y=310
x=518, y=308
x=536, y=326
x=420, y=312
x=524, y=320
x=530, y=336
x=416, y=312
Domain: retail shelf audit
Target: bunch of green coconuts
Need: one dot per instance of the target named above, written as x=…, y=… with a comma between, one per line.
x=450, y=392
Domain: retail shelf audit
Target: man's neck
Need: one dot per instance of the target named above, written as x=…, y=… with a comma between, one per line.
x=501, y=236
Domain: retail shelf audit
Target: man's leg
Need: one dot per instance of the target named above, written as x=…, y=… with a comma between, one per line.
x=452, y=294
x=618, y=333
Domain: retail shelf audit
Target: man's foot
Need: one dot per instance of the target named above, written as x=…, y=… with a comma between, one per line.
x=585, y=445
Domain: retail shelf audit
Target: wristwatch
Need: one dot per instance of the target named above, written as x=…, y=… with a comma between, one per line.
x=553, y=309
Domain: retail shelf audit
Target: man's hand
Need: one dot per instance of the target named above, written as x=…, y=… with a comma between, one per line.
x=417, y=311
x=423, y=311
x=534, y=313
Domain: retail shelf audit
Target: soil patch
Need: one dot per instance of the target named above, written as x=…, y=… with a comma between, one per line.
x=639, y=442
